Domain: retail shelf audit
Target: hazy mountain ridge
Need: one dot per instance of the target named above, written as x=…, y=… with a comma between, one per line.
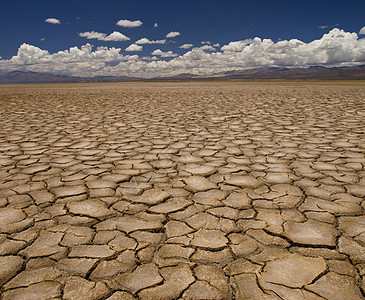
x=34, y=77
x=311, y=73
x=315, y=72
x=21, y=77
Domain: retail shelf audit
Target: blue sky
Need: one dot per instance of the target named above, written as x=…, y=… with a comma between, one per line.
x=287, y=31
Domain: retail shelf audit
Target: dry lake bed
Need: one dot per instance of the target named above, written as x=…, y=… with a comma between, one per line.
x=202, y=190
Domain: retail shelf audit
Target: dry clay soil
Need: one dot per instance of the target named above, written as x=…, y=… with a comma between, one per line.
x=226, y=190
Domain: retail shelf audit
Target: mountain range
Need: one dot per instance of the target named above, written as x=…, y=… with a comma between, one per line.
x=275, y=73
x=21, y=77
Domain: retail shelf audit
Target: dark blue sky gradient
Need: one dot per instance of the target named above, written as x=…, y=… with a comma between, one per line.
x=199, y=20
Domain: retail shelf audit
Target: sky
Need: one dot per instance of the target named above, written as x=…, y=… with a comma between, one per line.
x=147, y=38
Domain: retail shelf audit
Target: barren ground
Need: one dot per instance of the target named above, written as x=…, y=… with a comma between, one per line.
x=182, y=190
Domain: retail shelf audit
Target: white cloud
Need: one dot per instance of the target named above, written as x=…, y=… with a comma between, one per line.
x=172, y=34
x=147, y=41
x=93, y=35
x=216, y=45
x=116, y=36
x=335, y=48
x=323, y=27
x=78, y=61
x=164, y=54
x=134, y=47
x=186, y=46
x=52, y=21
x=362, y=30
x=237, y=46
x=113, y=37
x=208, y=48
x=206, y=42
x=155, y=26
x=127, y=23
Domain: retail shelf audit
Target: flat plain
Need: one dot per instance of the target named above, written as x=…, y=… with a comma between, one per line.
x=183, y=190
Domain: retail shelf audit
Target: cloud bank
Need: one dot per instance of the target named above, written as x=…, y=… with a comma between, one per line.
x=335, y=48
x=116, y=36
x=52, y=21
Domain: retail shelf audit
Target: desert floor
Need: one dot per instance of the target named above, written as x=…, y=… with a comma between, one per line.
x=203, y=190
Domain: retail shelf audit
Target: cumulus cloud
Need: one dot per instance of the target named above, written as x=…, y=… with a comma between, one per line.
x=93, y=35
x=186, y=46
x=164, y=54
x=335, y=48
x=77, y=61
x=134, y=47
x=52, y=21
x=155, y=26
x=147, y=41
x=323, y=26
x=128, y=23
x=208, y=48
x=115, y=36
x=236, y=46
x=172, y=34
x=362, y=30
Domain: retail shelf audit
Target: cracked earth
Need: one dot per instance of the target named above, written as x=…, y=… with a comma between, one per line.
x=182, y=191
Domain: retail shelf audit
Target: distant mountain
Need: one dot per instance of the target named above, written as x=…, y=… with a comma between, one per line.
x=111, y=78
x=34, y=77
x=314, y=73
x=183, y=76
x=276, y=73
